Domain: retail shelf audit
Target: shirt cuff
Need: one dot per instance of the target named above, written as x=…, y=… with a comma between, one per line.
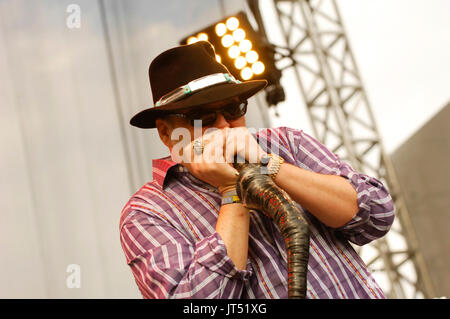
x=365, y=187
x=211, y=253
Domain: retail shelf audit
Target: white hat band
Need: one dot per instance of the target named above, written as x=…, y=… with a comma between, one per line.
x=196, y=85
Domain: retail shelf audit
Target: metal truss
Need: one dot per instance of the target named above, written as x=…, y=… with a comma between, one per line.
x=318, y=51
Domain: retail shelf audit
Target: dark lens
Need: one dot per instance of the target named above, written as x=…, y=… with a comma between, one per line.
x=235, y=110
x=207, y=118
x=231, y=112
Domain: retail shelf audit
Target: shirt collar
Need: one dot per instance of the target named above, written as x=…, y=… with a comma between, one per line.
x=160, y=168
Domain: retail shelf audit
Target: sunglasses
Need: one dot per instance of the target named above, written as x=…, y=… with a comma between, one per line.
x=230, y=112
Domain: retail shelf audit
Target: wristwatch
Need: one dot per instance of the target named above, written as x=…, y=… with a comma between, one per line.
x=265, y=159
x=275, y=165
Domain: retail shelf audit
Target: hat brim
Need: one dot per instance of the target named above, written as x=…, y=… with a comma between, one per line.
x=147, y=117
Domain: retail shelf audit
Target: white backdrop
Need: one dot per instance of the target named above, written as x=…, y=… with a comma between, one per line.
x=69, y=160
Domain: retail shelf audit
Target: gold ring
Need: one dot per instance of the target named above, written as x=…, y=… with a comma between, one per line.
x=198, y=147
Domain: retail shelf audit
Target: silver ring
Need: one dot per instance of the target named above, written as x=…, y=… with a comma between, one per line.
x=198, y=147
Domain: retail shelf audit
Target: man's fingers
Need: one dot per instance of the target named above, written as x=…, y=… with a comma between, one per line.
x=220, y=146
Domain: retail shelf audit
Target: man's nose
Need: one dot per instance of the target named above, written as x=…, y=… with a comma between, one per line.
x=221, y=122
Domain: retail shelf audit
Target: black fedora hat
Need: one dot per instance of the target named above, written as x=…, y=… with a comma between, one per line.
x=189, y=76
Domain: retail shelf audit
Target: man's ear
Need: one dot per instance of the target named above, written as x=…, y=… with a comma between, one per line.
x=164, y=128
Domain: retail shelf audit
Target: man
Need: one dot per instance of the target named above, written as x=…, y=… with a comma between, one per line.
x=187, y=235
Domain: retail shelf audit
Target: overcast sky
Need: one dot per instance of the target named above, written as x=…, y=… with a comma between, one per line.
x=402, y=48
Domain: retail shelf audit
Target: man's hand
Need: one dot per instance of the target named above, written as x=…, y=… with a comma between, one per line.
x=210, y=165
x=241, y=142
x=214, y=164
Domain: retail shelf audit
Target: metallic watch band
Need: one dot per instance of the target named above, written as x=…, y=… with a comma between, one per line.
x=274, y=165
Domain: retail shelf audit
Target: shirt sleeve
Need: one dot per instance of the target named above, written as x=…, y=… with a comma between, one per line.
x=166, y=264
x=375, y=206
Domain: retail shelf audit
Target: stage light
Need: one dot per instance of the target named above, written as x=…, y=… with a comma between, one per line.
x=227, y=40
x=191, y=40
x=240, y=62
x=258, y=67
x=246, y=73
x=232, y=23
x=221, y=29
x=251, y=56
x=233, y=52
x=238, y=35
x=202, y=36
x=245, y=45
x=245, y=53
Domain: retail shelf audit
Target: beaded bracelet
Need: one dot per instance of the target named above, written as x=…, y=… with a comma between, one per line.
x=230, y=197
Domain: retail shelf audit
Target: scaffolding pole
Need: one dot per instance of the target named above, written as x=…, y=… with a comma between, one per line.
x=317, y=50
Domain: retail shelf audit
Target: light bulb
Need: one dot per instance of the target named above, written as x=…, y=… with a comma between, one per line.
x=246, y=73
x=202, y=36
x=191, y=40
x=238, y=35
x=240, y=62
x=234, y=51
x=251, y=56
x=258, y=67
x=227, y=41
x=232, y=23
x=221, y=29
x=245, y=45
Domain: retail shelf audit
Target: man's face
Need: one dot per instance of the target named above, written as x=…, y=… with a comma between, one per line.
x=220, y=122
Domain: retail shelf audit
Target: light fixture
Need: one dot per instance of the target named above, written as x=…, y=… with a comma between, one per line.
x=244, y=52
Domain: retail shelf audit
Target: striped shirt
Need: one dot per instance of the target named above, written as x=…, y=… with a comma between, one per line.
x=168, y=234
